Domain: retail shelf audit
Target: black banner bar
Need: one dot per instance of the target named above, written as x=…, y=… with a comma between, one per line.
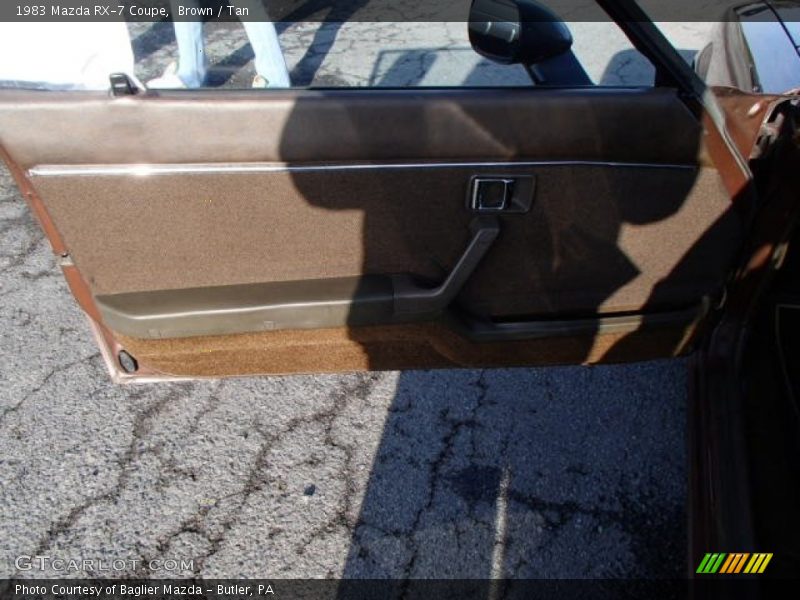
x=331, y=10
x=731, y=587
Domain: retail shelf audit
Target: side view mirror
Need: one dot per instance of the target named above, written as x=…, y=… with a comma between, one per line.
x=517, y=31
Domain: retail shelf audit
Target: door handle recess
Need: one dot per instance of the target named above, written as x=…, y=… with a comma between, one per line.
x=410, y=299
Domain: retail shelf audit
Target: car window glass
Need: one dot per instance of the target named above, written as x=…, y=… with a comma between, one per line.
x=241, y=55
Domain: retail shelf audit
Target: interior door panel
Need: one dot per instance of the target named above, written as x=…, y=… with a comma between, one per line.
x=228, y=233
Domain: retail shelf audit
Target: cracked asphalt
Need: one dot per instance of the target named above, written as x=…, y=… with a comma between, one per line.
x=534, y=473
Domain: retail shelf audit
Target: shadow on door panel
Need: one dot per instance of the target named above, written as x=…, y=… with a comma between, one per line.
x=617, y=204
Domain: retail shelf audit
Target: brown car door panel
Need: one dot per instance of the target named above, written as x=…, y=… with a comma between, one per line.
x=227, y=233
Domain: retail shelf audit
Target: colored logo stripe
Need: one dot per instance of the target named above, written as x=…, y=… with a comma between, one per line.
x=765, y=563
x=711, y=563
x=732, y=558
x=758, y=563
x=703, y=563
x=736, y=562
x=741, y=562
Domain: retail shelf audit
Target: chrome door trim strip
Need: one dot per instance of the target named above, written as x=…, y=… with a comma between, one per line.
x=145, y=170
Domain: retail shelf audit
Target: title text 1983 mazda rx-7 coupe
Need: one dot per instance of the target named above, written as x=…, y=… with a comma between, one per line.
x=228, y=233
